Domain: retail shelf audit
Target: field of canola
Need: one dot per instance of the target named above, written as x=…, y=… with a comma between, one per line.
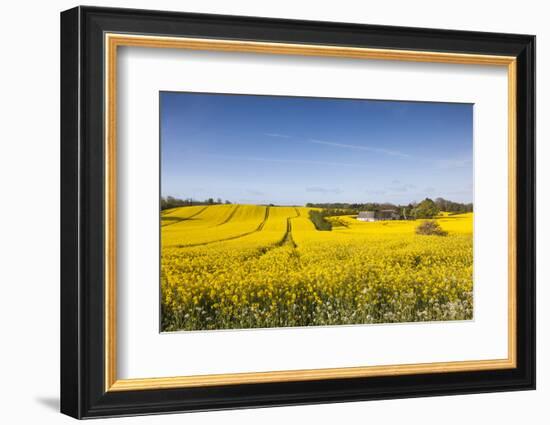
x=250, y=266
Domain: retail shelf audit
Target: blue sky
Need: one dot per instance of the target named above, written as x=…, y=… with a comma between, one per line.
x=294, y=150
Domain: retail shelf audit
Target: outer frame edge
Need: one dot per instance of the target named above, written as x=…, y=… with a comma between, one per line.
x=103, y=406
x=70, y=348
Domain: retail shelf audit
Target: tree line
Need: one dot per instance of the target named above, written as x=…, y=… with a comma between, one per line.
x=427, y=208
x=319, y=221
x=172, y=202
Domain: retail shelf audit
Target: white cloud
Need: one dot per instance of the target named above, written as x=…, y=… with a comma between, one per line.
x=361, y=148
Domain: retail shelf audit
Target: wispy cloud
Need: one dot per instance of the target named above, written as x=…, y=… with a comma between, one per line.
x=281, y=136
x=401, y=187
x=463, y=191
x=287, y=161
x=255, y=192
x=323, y=190
x=360, y=148
x=375, y=191
x=453, y=163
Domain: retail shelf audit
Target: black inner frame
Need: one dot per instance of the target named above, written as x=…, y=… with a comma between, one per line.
x=82, y=212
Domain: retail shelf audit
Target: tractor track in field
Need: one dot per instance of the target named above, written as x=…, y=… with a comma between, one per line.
x=262, y=224
x=229, y=217
x=186, y=218
x=259, y=228
x=164, y=213
x=287, y=238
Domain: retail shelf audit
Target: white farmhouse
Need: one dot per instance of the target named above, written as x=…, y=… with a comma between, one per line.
x=389, y=214
x=366, y=216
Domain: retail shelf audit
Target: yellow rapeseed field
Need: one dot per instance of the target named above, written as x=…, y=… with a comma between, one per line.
x=249, y=266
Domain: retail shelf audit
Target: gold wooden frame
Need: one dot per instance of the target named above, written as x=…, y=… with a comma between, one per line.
x=113, y=41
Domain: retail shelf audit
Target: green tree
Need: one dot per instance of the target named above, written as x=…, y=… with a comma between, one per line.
x=318, y=220
x=426, y=209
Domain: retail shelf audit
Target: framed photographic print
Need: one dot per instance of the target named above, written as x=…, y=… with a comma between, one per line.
x=261, y=212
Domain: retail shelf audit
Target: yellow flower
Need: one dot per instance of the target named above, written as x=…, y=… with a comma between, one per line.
x=245, y=269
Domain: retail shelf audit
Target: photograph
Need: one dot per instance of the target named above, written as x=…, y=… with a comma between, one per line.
x=286, y=211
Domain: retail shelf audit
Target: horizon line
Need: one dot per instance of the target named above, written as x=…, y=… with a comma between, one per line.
x=314, y=203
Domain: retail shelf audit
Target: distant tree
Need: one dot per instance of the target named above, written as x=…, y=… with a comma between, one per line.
x=227, y=202
x=426, y=209
x=453, y=207
x=407, y=212
x=171, y=202
x=318, y=220
x=442, y=204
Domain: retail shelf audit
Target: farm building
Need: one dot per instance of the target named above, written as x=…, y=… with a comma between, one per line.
x=366, y=216
x=389, y=214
